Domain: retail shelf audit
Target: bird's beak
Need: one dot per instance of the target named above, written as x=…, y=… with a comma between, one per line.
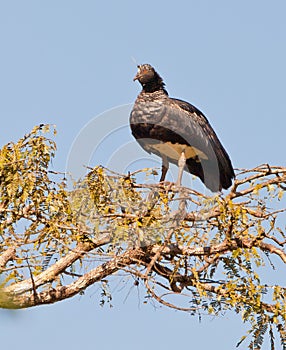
x=136, y=77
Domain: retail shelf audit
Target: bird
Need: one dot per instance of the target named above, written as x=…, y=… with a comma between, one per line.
x=178, y=132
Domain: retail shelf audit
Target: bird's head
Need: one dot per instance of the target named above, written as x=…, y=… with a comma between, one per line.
x=148, y=77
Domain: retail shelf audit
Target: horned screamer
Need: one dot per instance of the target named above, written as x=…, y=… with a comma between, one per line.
x=178, y=132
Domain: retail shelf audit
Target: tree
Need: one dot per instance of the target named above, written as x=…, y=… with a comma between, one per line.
x=191, y=252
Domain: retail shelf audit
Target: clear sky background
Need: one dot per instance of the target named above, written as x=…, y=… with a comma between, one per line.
x=65, y=62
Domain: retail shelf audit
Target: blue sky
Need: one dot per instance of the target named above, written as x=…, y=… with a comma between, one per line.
x=66, y=62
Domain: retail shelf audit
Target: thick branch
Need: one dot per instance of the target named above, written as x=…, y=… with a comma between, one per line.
x=6, y=256
x=53, y=271
x=225, y=246
x=272, y=249
x=63, y=292
x=174, y=249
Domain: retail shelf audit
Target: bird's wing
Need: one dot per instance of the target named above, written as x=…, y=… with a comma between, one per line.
x=181, y=123
x=195, y=128
x=199, y=134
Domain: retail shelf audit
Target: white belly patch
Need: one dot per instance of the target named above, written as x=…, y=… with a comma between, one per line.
x=174, y=150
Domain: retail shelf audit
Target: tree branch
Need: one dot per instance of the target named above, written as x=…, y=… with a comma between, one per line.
x=15, y=300
x=9, y=254
x=50, y=274
x=272, y=249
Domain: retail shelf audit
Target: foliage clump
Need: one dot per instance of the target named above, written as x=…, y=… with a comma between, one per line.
x=212, y=251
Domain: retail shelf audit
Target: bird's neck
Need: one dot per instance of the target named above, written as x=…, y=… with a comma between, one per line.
x=154, y=86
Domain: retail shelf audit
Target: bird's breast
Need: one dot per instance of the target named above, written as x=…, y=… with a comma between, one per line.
x=147, y=112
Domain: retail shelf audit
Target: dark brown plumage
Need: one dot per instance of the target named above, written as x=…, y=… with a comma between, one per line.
x=167, y=127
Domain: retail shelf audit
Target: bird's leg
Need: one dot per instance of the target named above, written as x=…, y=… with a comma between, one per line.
x=181, y=165
x=165, y=167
